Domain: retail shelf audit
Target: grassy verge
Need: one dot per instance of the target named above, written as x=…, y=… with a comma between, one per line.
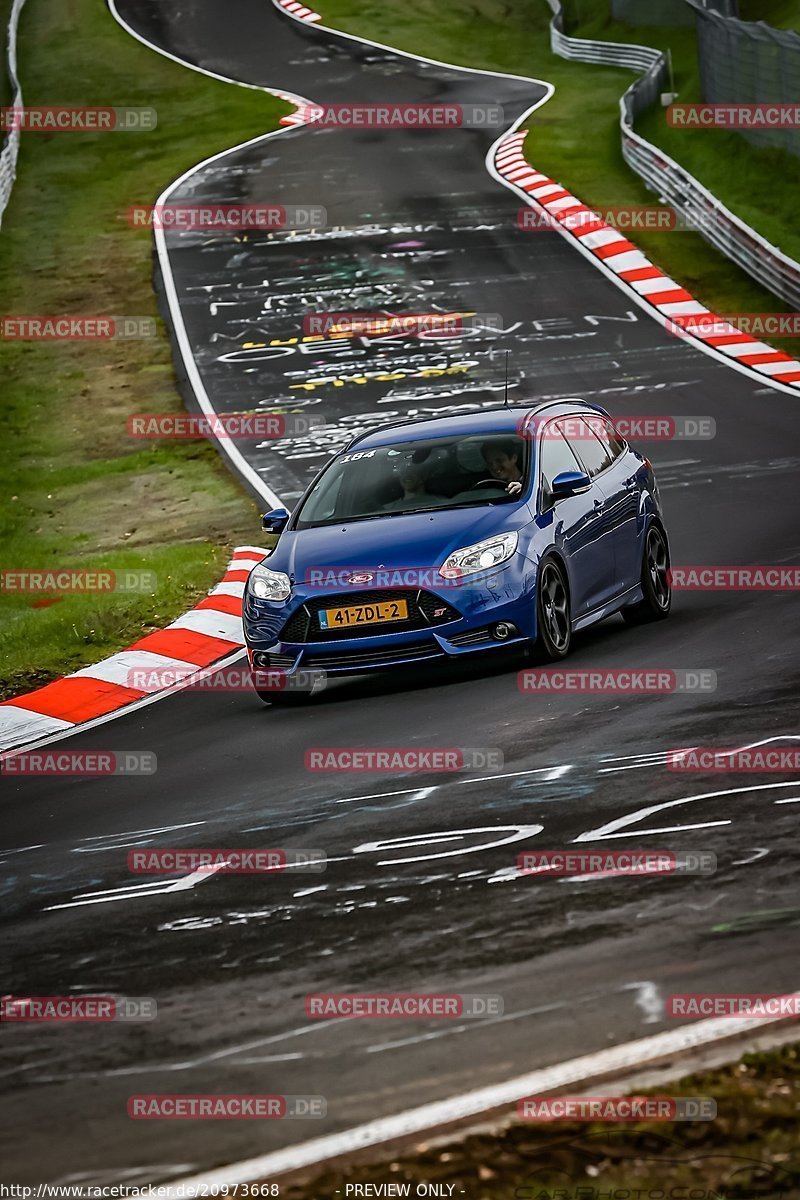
x=750, y=1150
x=76, y=490
x=575, y=137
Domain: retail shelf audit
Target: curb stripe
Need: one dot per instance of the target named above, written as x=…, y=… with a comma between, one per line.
x=633, y=261
x=20, y=725
x=76, y=699
x=190, y=647
x=207, y=633
x=222, y=603
x=212, y=623
x=120, y=667
x=299, y=11
x=235, y=577
x=226, y=588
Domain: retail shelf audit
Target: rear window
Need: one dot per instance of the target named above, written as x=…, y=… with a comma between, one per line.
x=595, y=452
x=556, y=457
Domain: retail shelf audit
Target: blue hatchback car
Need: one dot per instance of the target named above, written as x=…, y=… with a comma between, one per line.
x=429, y=540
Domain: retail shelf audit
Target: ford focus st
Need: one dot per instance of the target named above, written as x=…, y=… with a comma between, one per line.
x=430, y=540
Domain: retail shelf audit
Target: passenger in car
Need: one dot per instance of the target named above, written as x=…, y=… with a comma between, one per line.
x=415, y=490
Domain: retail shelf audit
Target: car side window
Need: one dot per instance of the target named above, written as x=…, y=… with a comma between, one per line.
x=555, y=457
x=615, y=444
x=595, y=454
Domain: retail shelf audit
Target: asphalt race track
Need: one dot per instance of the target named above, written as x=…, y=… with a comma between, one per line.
x=581, y=965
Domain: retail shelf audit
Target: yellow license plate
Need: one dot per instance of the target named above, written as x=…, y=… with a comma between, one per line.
x=363, y=614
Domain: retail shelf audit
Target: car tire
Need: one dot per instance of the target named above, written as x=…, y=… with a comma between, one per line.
x=553, y=616
x=656, y=599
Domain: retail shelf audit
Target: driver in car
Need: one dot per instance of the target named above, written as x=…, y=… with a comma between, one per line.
x=502, y=457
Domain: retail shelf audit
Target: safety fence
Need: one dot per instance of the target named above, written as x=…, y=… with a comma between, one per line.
x=10, y=149
x=672, y=183
x=749, y=62
x=663, y=13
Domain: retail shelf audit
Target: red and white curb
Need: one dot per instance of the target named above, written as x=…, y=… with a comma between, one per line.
x=208, y=633
x=299, y=10
x=649, y=284
x=306, y=111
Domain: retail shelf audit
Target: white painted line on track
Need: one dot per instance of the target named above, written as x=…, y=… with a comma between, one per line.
x=237, y=460
x=428, y=1118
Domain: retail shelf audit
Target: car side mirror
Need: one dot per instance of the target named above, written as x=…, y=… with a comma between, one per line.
x=275, y=521
x=569, y=483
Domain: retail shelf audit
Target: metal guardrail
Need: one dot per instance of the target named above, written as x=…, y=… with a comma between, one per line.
x=10, y=150
x=673, y=184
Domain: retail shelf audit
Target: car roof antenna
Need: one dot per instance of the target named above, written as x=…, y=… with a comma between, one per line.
x=505, y=394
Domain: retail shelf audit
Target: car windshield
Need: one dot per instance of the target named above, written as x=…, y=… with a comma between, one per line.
x=412, y=476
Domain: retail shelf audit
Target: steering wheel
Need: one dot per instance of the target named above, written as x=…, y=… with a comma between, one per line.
x=498, y=483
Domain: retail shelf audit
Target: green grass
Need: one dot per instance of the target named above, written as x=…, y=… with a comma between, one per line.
x=575, y=137
x=784, y=14
x=750, y=1150
x=76, y=490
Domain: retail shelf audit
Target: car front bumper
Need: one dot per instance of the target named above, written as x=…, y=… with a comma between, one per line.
x=507, y=598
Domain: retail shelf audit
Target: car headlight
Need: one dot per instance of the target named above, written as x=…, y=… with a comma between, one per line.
x=269, y=585
x=480, y=557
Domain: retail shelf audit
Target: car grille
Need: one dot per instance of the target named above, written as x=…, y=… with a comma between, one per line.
x=368, y=658
x=424, y=610
x=473, y=637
